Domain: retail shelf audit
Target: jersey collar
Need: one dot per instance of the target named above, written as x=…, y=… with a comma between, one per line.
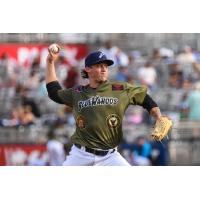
x=99, y=88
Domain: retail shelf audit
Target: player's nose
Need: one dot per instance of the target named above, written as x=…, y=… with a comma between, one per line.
x=104, y=67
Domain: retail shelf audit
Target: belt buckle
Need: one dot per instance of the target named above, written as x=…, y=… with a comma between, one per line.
x=99, y=152
x=105, y=152
x=96, y=151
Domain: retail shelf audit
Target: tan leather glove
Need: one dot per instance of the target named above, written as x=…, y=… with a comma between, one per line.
x=161, y=128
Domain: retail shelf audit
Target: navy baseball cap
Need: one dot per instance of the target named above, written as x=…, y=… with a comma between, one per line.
x=96, y=58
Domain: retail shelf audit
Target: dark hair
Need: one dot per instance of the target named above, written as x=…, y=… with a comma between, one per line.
x=84, y=74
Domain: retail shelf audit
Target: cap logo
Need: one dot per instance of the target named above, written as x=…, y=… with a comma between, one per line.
x=101, y=55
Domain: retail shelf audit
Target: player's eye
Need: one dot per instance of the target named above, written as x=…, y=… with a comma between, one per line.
x=103, y=65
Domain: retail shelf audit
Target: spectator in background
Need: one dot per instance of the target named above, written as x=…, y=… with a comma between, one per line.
x=176, y=79
x=62, y=67
x=26, y=116
x=71, y=78
x=136, y=59
x=183, y=107
x=197, y=69
x=121, y=58
x=35, y=66
x=187, y=85
x=131, y=80
x=28, y=101
x=187, y=56
x=186, y=59
x=125, y=148
x=55, y=150
x=135, y=62
x=42, y=91
x=147, y=75
x=196, y=55
x=7, y=70
x=159, y=154
x=194, y=102
x=3, y=68
x=32, y=83
x=122, y=74
x=21, y=115
x=13, y=119
x=141, y=151
x=160, y=59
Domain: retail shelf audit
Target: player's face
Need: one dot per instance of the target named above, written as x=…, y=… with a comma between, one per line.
x=99, y=72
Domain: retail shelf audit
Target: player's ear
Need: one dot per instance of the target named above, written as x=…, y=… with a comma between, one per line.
x=84, y=74
x=87, y=69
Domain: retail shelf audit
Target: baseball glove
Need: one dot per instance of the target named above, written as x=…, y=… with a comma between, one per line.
x=161, y=128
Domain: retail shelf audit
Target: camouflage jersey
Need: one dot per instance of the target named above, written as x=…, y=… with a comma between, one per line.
x=99, y=112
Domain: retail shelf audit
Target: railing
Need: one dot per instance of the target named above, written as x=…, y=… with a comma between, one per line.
x=184, y=143
x=184, y=146
x=22, y=135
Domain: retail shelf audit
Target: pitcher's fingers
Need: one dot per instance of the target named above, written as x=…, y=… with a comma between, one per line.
x=59, y=47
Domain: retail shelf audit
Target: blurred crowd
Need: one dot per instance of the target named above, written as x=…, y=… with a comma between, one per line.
x=177, y=73
x=167, y=74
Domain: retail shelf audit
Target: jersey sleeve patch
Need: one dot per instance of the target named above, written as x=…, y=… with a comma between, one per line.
x=78, y=88
x=117, y=87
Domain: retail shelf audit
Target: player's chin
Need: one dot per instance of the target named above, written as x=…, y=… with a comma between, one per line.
x=103, y=79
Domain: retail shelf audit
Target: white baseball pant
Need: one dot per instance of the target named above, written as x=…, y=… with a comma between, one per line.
x=79, y=157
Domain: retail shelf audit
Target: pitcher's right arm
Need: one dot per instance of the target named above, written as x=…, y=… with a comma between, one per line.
x=51, y=79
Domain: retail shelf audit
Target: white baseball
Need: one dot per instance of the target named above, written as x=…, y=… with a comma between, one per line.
x=54, y=48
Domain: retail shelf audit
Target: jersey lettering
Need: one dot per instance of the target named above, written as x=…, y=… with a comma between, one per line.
x=97, y=101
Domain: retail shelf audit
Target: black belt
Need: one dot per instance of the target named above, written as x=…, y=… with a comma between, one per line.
x=95, y=151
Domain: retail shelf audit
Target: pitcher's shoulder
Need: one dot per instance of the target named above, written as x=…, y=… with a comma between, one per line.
x=126, y=85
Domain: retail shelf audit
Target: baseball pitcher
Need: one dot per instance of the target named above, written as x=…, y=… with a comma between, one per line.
x=98, y=109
